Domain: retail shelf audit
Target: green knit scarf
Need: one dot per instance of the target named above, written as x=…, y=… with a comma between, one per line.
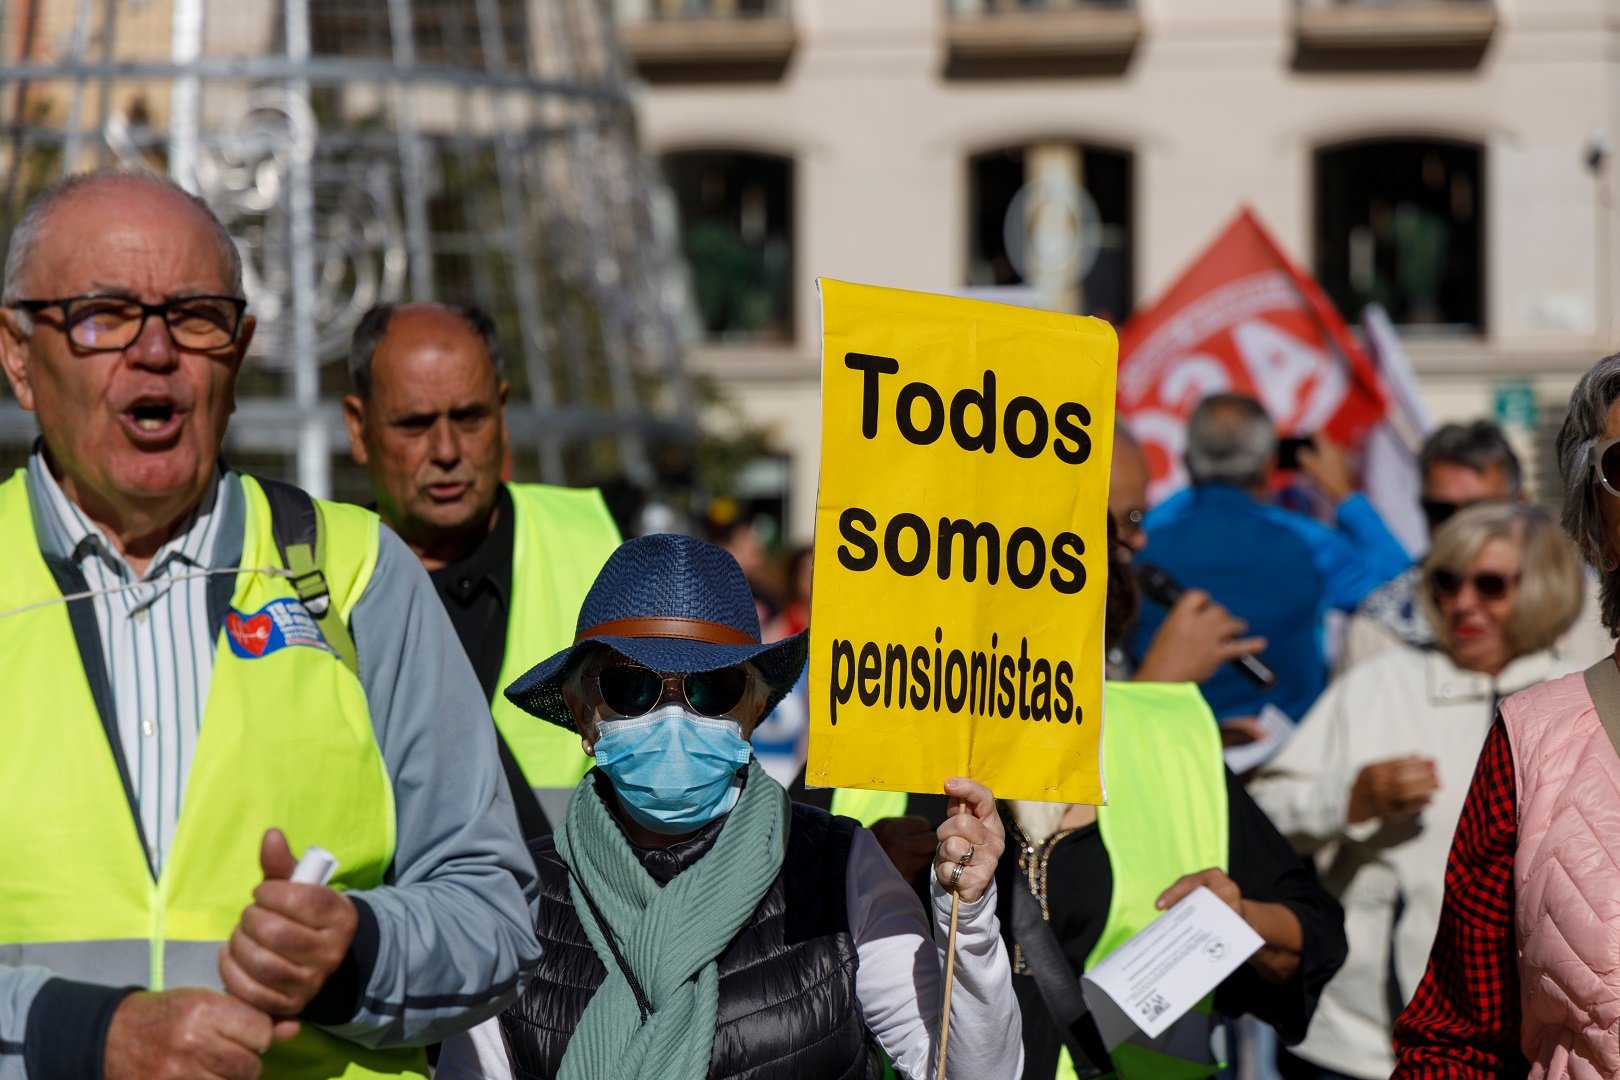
x=670, y=937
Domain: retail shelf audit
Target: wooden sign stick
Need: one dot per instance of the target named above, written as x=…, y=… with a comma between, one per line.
x=950, y=973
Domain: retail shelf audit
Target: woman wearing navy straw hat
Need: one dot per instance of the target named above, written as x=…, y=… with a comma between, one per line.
x=695, y=923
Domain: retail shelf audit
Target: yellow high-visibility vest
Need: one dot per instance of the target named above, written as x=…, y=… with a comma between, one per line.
x=1166, y=817
x=562, y=538
x=286, y=742
x=869, y=806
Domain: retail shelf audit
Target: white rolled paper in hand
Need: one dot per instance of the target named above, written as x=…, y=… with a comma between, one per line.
x=315, y=868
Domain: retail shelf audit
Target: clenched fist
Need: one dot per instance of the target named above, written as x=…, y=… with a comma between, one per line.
x=290, y=939
x=1392, y=788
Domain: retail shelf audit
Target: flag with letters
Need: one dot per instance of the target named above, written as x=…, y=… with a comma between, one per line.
x=1242, y=318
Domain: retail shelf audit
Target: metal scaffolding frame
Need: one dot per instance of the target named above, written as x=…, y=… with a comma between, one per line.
x=458, y=163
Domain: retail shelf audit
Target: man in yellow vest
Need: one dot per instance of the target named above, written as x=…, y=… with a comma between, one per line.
x=185, y=707
x=510, y=562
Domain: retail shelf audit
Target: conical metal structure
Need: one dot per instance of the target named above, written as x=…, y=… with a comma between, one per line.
x=361, y=151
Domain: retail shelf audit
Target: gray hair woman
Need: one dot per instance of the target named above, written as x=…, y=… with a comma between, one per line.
x=1589, y=463
x=1372, y=781
x=1532, y=879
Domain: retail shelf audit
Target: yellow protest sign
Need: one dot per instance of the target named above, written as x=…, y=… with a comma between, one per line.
x=961, y=545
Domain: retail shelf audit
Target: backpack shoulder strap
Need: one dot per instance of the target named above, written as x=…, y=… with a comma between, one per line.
x=296, y=524
x=1603, y=683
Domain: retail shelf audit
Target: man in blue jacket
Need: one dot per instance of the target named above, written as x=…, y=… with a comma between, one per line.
x=1279, y=571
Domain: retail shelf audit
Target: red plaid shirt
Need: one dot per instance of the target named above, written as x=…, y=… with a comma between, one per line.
x=1464, y=1019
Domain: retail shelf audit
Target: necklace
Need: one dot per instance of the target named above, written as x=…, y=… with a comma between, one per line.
x=1032, y=861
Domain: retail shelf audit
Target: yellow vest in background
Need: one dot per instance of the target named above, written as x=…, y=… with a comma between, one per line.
x=869, y=806
x=562, y=538
x=1166, y=817
x=286, y=742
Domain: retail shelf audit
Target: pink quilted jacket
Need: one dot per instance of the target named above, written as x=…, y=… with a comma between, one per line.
x=1566, y=879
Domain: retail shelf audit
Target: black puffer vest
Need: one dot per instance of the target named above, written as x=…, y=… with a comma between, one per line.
x=787, y=980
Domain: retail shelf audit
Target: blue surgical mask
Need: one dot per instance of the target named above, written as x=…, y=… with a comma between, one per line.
x=674, y=771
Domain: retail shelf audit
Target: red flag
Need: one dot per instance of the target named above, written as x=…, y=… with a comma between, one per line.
x=1243, y=318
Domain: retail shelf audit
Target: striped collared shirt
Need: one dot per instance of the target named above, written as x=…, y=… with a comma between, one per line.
x=155, y=637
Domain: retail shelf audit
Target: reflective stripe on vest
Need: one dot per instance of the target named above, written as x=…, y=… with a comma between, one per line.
x=1166, y=817
x=562, y=537
x=286, y=741
x=869, y=806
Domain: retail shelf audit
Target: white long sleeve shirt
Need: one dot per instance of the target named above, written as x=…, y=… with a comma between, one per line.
x=1389, y=873
x=900, y=998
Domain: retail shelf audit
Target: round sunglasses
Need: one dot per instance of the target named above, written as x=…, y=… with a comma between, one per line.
x=1488, y=585
x=632, y=690
x=1604, y=461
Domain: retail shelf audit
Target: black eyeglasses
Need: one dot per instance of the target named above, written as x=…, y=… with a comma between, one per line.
x=1489, y=585
x=111, y=323
x=632, y=690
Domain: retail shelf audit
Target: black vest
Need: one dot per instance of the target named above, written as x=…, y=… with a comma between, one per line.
x=787, y=981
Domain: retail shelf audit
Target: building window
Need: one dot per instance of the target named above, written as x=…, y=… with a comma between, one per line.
x=446, y=32
x=1081, y=196
x=1398, y=223
x=736, y=229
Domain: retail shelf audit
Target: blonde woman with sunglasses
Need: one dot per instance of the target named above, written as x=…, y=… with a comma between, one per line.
x=1373, y=781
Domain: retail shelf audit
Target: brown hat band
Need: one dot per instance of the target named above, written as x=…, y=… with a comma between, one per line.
x=653, y=626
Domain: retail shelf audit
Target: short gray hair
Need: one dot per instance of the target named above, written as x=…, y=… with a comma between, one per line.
x=25, y=238
x=1583, y=429
x=1229, y=438
x=373, y=326
x=1476, y=446
x=1551, y=585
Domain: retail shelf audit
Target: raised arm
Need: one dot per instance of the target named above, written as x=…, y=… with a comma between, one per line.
x=899, y=981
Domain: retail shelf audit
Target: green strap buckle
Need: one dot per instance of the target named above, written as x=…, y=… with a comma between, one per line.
x=310, y=584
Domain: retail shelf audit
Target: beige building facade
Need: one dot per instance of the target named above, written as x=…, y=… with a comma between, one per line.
x=880, y=114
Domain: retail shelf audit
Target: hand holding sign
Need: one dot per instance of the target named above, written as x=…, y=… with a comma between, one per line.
x=973, y=832
x=971, y=840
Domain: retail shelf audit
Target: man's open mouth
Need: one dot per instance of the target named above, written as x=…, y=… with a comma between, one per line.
x=153, y=421
x=153, y=418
